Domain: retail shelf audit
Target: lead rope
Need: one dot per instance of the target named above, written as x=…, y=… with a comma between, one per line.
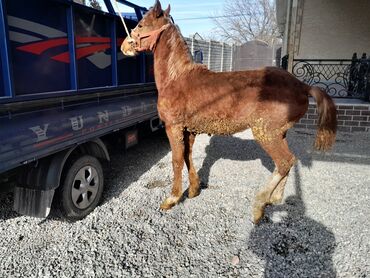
x=123, y=21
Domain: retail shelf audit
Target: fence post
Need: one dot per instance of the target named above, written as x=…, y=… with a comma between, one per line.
x=209, y=54
x=192, y=46
x=232, y=57
x=222, y=57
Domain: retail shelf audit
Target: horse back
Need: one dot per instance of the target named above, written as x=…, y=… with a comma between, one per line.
x=229, y=102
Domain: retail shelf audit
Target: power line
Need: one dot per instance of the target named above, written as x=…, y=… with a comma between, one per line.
x=209, y=17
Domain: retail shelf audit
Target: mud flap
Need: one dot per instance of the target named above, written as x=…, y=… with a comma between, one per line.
x=33, y=202
x=35, y=188
x=131, y=138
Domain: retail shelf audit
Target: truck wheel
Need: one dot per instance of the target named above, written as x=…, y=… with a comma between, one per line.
x=82, y=188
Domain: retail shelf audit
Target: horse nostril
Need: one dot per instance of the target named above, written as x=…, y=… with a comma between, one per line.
x=131, y=41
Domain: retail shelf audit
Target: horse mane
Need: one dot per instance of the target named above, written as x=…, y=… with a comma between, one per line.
x=180, y=60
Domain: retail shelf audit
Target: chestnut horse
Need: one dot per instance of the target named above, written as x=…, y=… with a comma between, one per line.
x=194, y=100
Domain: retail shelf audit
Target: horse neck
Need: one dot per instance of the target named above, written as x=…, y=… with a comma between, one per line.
x=171, y=58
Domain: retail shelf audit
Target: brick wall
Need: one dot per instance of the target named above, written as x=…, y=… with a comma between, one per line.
x=351, y=117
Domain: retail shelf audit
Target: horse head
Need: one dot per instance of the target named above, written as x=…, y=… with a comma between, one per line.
x=147, y=32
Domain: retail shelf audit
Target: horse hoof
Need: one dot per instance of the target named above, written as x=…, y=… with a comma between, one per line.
x=165, y=206
x=258, y=213
x=169, y=203
x=257, y=218
x=193, y=193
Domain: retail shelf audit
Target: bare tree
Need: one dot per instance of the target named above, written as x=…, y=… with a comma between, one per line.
x=95, y=4
x=245, y=20
x=211, y=35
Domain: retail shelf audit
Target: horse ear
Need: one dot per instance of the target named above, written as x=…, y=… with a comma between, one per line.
x=157, y=8
x=167, y=11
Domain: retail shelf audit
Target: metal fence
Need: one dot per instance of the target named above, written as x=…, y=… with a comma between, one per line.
x=215, y=55
x=339, y=78
x=343, y=78
x=218, y=56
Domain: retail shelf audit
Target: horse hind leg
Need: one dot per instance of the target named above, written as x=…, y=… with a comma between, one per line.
x=194, y=189
x=278, y=193
x=273, y=191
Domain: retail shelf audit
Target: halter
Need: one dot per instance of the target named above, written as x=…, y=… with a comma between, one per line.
x=152, y=36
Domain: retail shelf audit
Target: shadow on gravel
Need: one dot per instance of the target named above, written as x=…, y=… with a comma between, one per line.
x=233, y=148
x=294, y=245
x=351, y=148
x=128, y=166
x=6, y=206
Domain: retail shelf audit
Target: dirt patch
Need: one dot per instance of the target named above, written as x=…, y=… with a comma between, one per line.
x=156, y=184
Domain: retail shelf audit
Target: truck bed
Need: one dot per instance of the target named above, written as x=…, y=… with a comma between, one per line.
x=63, y=79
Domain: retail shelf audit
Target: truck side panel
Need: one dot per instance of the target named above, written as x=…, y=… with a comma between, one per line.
x=37, y=35
x=94, y=55
x=5, y=90
x=2, y=89
x=128, y=68
x=30, y=135
x=45, y=63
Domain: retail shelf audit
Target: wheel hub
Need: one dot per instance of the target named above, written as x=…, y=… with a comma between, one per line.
x=85, y=187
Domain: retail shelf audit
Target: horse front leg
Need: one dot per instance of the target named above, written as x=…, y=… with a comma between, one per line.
x=194, y=189
x=176, y=137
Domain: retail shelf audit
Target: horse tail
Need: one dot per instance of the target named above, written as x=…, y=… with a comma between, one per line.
x=327, y=121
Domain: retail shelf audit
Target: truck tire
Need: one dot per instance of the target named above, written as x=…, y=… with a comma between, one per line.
x=82, y=188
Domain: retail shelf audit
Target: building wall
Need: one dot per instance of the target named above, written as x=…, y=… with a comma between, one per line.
x=254, y=54
x=334, y=29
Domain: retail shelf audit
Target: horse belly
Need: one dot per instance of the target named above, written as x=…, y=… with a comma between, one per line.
x=217, y=126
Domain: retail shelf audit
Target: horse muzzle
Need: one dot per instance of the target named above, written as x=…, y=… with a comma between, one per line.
x=128, y=47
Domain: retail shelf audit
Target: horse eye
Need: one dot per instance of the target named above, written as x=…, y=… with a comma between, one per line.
x=140, y=26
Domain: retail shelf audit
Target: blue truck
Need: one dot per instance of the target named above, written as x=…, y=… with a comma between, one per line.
x=65, y=91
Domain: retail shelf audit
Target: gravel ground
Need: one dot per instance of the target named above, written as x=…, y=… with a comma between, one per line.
x=320, y=230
